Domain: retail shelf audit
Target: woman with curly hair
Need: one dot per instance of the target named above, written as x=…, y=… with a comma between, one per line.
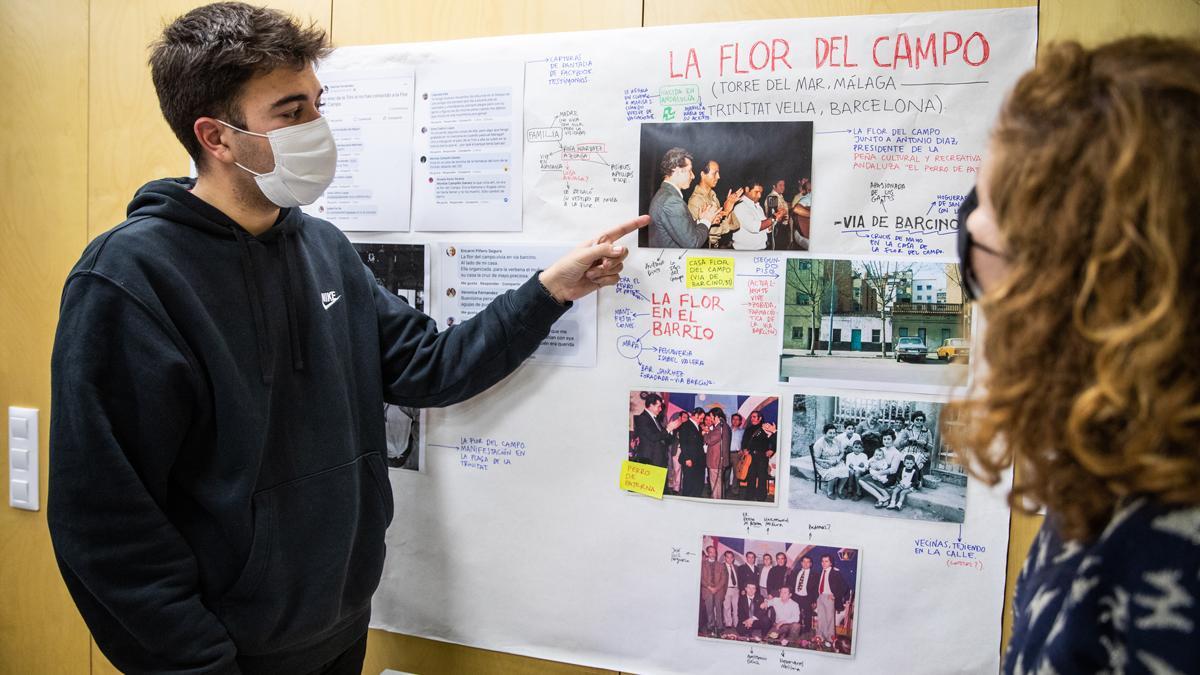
x=1077, y=242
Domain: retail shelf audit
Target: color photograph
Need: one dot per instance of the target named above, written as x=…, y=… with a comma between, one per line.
x=891, y=324
x=795, y=595
x=874, y=457
x=715, y=447
x=400, y=268
x=745, y=186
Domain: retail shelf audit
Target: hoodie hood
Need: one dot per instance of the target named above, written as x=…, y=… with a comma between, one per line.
x=171, y=199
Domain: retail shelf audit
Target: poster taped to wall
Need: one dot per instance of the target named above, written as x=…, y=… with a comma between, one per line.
x=892, y=112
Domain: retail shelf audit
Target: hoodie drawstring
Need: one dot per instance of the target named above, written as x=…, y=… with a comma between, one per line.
x=250, y=276
x=293, y=302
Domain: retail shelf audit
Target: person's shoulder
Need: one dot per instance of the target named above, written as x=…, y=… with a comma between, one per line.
x=135, y=244
x=1147, y=535
x=321, y=226
x=322, y=230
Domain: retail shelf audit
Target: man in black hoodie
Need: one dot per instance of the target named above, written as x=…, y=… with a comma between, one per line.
x=218, y=491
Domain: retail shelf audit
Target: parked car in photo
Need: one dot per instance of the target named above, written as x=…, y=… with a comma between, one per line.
x=911, y=349
x=954, y=349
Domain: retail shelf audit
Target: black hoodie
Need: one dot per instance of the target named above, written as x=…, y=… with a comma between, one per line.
x=218, y=493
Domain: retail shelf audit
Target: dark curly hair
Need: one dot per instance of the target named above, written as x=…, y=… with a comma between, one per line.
x=1092, y=339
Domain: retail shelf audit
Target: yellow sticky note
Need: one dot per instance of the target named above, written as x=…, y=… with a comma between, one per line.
x=710, y=272
x=645, y=479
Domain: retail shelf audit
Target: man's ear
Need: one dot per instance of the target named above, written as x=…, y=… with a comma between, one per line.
x=213, y=137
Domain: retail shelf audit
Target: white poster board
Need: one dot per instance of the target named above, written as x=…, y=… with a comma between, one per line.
x=515, y=537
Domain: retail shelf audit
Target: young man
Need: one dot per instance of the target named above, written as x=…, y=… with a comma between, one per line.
x=803, y=584
x=748, y=572
x=831, y=595
x=705, y=196
x=691, y=454
x=218, y=496
x=753, y=617
x=788, y=626
x=716, y=451
x=760, y=440
x=672, y=226
x=712, y=590
x=729, y=603
x=654, y=440
x=755, y=224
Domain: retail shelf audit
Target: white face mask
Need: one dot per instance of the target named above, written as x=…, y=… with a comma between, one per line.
x=305, y=161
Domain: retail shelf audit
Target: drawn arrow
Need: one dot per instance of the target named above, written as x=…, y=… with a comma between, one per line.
x=960, y=533
x=435, y=445
x=769, y=276
x=660, y=255
x=640, y=296
x=643, y=314
x=931, y=205
x=839, y=131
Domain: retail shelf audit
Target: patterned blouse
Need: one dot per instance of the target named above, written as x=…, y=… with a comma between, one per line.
x=1128, y=602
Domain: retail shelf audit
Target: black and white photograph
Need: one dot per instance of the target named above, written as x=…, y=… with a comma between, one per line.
x=715, y=447
x=400, y=268
x=745, y=186
x=893, y=324
x=874, y=457
x=797, y=595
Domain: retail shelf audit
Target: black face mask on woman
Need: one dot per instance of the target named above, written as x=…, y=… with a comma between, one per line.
x=966, y=271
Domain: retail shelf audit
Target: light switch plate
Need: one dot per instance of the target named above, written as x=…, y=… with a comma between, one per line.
x=23, y=458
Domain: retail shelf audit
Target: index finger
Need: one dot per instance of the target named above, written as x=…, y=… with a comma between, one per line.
x=623, y=229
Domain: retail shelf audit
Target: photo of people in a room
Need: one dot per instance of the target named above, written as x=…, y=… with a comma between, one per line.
x=795, y=595
x=874, y=456
x=717, y=447
x=400, y=268
x=745, y=186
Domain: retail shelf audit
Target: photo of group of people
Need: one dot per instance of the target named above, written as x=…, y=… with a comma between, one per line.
x=745, y=186
x=714, y=446
x=873, y=457
x=400, y=268
x=788, y=594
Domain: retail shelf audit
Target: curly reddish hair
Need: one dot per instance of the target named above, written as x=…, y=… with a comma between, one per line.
x=1092, y=340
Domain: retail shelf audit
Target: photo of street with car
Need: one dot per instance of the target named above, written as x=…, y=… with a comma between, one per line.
x=893, y=323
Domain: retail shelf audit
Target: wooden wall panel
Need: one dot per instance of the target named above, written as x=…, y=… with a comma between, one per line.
x=669, y=12
x=1095, y=21
x=43, y=226
x=85, y=132
x=366, y=22
x=130, y=143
